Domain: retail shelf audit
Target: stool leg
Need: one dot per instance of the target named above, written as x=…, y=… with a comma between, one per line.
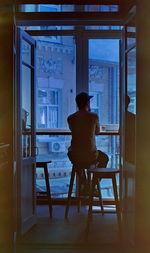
x=91, y=197
x=70, y=192
x=100, y=196
x=48, y=190
x=116, y=201
x=91, y=191
x=79, y=182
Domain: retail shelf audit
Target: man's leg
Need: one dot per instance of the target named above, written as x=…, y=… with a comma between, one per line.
x=102, y=159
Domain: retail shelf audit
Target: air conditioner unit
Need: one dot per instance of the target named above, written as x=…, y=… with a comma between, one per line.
x=56, y=146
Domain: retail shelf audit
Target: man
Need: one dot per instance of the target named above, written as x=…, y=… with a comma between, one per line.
x=84, y=125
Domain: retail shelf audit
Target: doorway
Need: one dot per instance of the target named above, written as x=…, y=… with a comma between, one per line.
x=66, y=64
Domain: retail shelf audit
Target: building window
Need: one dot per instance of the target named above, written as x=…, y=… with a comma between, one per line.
x=48, y=115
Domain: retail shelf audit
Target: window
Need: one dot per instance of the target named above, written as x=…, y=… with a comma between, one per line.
x=49, y=115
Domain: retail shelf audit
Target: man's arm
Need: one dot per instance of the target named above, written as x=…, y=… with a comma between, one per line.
x=97, y=128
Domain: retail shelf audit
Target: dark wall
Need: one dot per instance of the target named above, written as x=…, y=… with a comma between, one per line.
x=6, y=129
x=142, y=222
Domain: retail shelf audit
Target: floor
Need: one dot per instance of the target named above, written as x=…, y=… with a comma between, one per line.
x=58, y=235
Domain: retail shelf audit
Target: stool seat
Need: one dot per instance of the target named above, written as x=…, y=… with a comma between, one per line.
x=42, y=164
x=98, y=171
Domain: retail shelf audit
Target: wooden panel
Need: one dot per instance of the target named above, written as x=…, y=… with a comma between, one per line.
x=143, y=127
x=102, y=2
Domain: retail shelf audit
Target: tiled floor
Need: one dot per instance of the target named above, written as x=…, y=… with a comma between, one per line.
x=58, y=235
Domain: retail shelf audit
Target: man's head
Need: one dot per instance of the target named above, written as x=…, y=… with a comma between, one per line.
x=83, y=100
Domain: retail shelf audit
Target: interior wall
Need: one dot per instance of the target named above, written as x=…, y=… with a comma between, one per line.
x=142, y=222
x=6, y=129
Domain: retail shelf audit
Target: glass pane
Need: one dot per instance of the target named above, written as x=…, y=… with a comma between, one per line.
x=26, y=52
x=54, y=27
x=26, y=111
x=56, y=79
x=131, y=79
x=46, y=8
x=104, y=81
x=102, y=8
x=104, y=27
x=42, y=115
x=67, y=8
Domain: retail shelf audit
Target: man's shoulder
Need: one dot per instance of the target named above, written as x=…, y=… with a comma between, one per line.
x=93, y=115
x=85, y=114
x=71, y=116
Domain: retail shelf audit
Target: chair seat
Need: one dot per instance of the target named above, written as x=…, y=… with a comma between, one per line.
x=42, y=164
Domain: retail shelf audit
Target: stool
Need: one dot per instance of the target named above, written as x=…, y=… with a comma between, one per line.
x=78, y=170
x=98, y=174
x=42, y=163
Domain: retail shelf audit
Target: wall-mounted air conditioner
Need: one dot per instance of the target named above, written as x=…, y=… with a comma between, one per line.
x=56, y=146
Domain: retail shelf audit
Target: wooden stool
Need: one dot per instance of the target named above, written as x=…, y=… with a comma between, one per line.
x=79, y=170
x=42, y=162
x=98, y=174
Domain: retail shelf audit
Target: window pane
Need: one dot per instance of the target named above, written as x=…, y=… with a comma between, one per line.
x=104, y=27
x=46, y=8
x=56, y=79
x=55, y=147
x=102, y=8
x=43, y=96
x=67, y=8
x=104, y=80
x=26, y=52
x=26, y=111
x=131, y=79
x=42, y=115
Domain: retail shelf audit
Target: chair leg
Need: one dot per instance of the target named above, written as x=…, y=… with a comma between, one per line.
x=100, y=196
x=117, y=202
x=48, y=190
x=70, y=192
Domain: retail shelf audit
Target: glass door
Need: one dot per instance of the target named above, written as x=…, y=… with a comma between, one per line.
x=26, y=130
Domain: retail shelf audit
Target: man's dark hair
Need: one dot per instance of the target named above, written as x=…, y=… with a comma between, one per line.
x=82, y=99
